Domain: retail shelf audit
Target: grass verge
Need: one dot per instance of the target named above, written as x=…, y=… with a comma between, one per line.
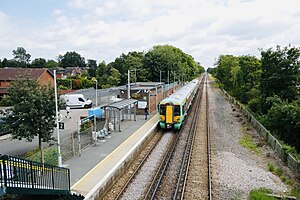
x=246, y=141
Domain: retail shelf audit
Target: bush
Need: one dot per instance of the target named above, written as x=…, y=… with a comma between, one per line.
x=5, y=102
x=50, y=154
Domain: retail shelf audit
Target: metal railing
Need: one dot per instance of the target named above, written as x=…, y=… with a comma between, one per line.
x=28, y=176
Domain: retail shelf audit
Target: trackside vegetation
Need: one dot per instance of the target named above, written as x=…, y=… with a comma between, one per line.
x=269, y=87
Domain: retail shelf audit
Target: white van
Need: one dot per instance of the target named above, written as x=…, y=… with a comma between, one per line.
x=76, y=101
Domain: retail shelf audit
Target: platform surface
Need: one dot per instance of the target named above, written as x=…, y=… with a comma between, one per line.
x=96, y=162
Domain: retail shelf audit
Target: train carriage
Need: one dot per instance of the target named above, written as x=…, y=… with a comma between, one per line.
x=172, y=110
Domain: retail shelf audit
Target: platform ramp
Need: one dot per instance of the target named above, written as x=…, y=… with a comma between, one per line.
x=19, y=176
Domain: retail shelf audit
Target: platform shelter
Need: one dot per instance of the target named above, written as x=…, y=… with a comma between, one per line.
x=121, y=110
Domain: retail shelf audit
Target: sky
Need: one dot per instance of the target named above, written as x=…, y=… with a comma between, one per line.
x=104, y=29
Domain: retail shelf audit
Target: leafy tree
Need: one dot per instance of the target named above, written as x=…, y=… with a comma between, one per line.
x=92, y=66
x=21, y=56
x=132, y=61
x=283, y=120
x=281, y=72
x=38, y=63
x=161, y=59
x=51, y=64
x=225, y=70
x=13, y=63
x=71, y=59
x=4, y=63
x=33, y=111
x=111, y=78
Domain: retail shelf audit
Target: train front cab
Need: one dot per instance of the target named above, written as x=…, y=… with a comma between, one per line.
x=170, y=116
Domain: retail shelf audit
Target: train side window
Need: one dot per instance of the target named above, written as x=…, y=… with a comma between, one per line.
x=177, y=110
x=162, y=109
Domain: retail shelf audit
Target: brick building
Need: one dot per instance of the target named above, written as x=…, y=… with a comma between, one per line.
x=42, y=75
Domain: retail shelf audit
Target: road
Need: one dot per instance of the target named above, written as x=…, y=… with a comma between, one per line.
x=19, y=147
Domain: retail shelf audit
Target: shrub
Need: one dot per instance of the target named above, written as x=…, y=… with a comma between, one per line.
x=50, y=154
x=260, y=194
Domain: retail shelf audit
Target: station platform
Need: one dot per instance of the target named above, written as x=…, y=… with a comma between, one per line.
x=99, y=163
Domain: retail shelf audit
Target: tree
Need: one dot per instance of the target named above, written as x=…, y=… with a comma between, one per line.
x=92, y=66
x=224, y=71
x=110, y=78
x=131, y=61
x=51, y=64
x=38, y=63
x=71, y=59
x=283, y=120
x=21, y=56
x=33, y=111
x=281, y=72
x=4, y=63
x=168, y=58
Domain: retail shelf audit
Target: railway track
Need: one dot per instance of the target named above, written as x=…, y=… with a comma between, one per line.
x=171, y=181
x=164, y=170
x=198, y=179
x=122, y=186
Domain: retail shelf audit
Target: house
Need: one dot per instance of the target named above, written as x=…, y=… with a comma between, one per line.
x=42, y=75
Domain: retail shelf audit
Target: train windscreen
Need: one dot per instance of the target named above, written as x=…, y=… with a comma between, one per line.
x=162, y=109
x=177, y=110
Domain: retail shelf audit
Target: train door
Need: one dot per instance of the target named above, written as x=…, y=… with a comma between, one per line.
x=169, y=114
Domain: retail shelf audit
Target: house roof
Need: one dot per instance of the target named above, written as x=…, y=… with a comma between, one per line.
x=11, y=74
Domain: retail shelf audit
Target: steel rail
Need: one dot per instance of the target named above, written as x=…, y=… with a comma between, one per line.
x=137, y=169
x=208, y=145
x=161, y=169
x=182, y=178
x=154, y=186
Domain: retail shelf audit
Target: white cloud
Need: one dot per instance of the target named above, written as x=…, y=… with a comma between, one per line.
x=204, y=29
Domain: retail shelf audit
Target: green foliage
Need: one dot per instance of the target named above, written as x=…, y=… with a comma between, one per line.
x=246, y=141
x=271, y=167
x=296, y=192
x=5, y=102
x=278, y=171
x=33, y=111
x=51, y=155
x=164, y=58
x=269, y=87
x=62, y=87
x=92, y=66
x=132, y=61
x=71, y=59
x=283, y=119
x=260, y=194
x=280, y=72
x=21, y=56
x=38, y=63
x=51, y=64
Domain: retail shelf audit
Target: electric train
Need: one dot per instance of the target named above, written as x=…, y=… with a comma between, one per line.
x=173, y=109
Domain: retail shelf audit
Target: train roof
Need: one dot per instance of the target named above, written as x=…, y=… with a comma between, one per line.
x=180, y=95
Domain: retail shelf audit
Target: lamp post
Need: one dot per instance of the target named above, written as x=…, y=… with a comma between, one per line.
x=128, y=91
x=96, y=93
x=57, y=124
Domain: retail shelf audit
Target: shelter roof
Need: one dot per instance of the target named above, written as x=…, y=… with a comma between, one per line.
x=121, y=104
